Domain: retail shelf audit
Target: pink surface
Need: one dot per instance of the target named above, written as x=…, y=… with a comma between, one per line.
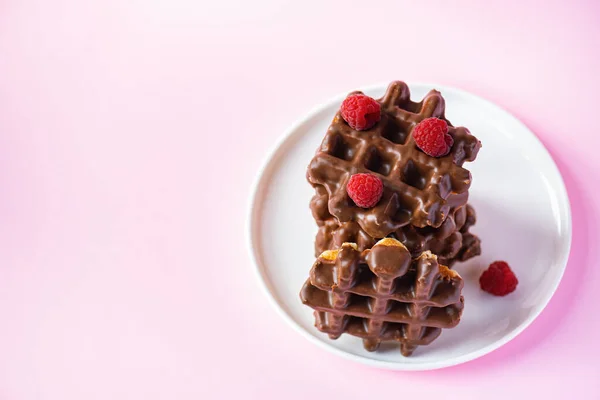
x=130, y=132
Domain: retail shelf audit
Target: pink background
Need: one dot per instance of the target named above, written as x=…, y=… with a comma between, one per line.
x=130, y=133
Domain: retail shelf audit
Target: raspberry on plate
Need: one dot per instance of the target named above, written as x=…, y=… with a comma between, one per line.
x=498, y=279
x=431, y=135
x=361, y=112
x=365, y=190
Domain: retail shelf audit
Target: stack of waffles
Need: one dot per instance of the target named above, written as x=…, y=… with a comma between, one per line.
x=381, y=272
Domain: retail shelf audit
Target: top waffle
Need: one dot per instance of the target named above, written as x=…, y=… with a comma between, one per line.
x=418, y=189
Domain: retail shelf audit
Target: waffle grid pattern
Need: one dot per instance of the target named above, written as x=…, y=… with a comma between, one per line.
x=418, y=189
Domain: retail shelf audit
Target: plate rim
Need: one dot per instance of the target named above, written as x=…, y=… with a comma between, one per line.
x=390, y=365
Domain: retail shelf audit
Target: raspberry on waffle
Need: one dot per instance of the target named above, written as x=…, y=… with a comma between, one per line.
x=419, y=190
x=383, y=294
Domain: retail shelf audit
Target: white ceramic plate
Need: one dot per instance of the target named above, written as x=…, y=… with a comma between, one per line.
x=523, y=217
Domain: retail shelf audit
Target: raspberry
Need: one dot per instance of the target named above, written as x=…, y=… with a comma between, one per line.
x=365, y=190
x=431, y=135
x=498, y=279
x=361, y=112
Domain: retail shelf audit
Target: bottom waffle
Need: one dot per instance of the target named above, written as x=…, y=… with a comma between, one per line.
x=383, y=294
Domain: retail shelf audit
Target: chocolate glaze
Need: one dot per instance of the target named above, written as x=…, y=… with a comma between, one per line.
x=388, y=262
x=451, y=242
x=384, y=294
x=418, y=189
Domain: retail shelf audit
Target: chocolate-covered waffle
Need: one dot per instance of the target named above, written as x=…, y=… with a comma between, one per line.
x=383, y=294
x=451, y=242
x=419, y=190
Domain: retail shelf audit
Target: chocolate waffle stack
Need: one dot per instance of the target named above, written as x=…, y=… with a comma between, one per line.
x=423, y=206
